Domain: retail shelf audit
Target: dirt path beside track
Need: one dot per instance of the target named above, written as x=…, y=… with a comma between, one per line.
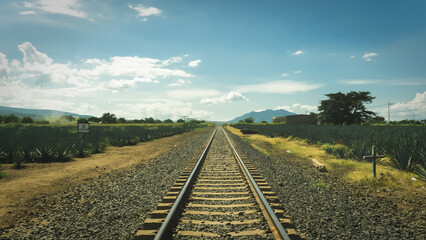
x=36, y=180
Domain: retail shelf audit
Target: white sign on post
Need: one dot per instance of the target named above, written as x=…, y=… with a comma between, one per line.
x=83, y=127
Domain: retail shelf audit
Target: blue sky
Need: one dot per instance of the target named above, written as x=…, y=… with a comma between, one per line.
x=212, y=60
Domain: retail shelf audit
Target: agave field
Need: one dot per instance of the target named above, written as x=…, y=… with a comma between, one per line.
x=25, y=144
x=405, y=146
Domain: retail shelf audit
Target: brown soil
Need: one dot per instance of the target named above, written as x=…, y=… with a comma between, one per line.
x=20, y=186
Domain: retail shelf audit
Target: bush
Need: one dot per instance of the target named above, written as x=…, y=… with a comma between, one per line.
x=42, y=122
x=27, y=120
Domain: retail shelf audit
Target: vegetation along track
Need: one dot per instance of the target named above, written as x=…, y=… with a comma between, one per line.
x=219, y=196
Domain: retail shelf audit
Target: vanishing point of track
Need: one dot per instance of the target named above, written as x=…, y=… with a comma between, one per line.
x=220, y=195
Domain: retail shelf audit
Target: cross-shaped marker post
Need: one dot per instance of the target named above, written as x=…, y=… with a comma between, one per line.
x=373, y=158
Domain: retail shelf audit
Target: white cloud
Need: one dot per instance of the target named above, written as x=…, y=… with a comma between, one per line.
x=227, y=98
x=284, y=87
x=367, y=56
x=64, y=7
x=145, y=11
x=298, y=108
x=172, y=60
x=400, y=82
x=194, y=63
x=352, y=57
x=299, y=52
x=85, y=109
x=120, y=84
x=189, y=94
x=160, y=109
x=415, y=109
x=361, y=82
x=134, y=66
x=4, y=67
x=37, y=81
x=179, y=82
x=284, y=75
x=17, y=94
x=297, y=72
x=27, y=13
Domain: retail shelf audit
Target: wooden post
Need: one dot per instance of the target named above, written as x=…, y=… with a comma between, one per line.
x=373, y=158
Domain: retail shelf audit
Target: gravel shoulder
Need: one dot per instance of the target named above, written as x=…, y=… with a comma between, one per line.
x=109, y=202
x=325, y=207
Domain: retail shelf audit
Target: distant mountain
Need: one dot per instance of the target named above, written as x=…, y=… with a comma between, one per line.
x=37, y=114
x=265, y=115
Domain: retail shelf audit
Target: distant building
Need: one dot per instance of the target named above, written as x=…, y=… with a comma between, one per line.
x=278, y=119
x=296, y=119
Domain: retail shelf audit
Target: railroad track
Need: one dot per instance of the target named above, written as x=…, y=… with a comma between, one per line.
x=220, y=195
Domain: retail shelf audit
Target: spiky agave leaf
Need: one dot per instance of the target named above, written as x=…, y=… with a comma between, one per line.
x=340, y=152
x=359, y=150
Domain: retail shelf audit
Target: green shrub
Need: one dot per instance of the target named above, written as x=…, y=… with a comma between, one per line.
x=328, y=150
x=340, y=152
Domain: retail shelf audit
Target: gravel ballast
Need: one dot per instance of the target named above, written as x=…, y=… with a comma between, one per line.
x=113, y=206
x=334, y=210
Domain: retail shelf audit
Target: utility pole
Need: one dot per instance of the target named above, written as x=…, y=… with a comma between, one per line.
x=389, y=104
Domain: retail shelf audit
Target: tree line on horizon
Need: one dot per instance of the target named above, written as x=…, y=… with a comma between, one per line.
x=108, y=118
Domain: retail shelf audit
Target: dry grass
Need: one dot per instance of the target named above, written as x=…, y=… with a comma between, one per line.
x=348, y=169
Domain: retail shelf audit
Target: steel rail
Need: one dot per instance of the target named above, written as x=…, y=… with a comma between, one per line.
x=273, y=221
x=174, y=211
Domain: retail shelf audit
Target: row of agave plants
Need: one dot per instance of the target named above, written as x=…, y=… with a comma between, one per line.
x=43, y=144
x=405, y=146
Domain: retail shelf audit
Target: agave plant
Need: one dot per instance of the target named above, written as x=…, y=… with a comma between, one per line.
x=80, y=145
x=62, y=151
x=328, y=150
x=18, y=159
x=340, y=152
x=401, y=153
x=359, y=150
x=44, y=153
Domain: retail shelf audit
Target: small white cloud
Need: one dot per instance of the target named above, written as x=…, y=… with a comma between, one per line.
x=397, y=82
x=179, y=82
x=194, y=63
x=297, y=72
x=283, y=87
x=27, y=13
x=304, y=107
x=361, y=82
x=227, y=98
x=171, y=61
x=145, y=11
x=367, y=56
x=284, y=74
x=64, y=7
x=299, y=52
x=352, y=57
x=298, y=108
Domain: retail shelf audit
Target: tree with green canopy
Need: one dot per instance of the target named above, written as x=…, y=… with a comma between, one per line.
x=346, y=109
x=109, y=118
